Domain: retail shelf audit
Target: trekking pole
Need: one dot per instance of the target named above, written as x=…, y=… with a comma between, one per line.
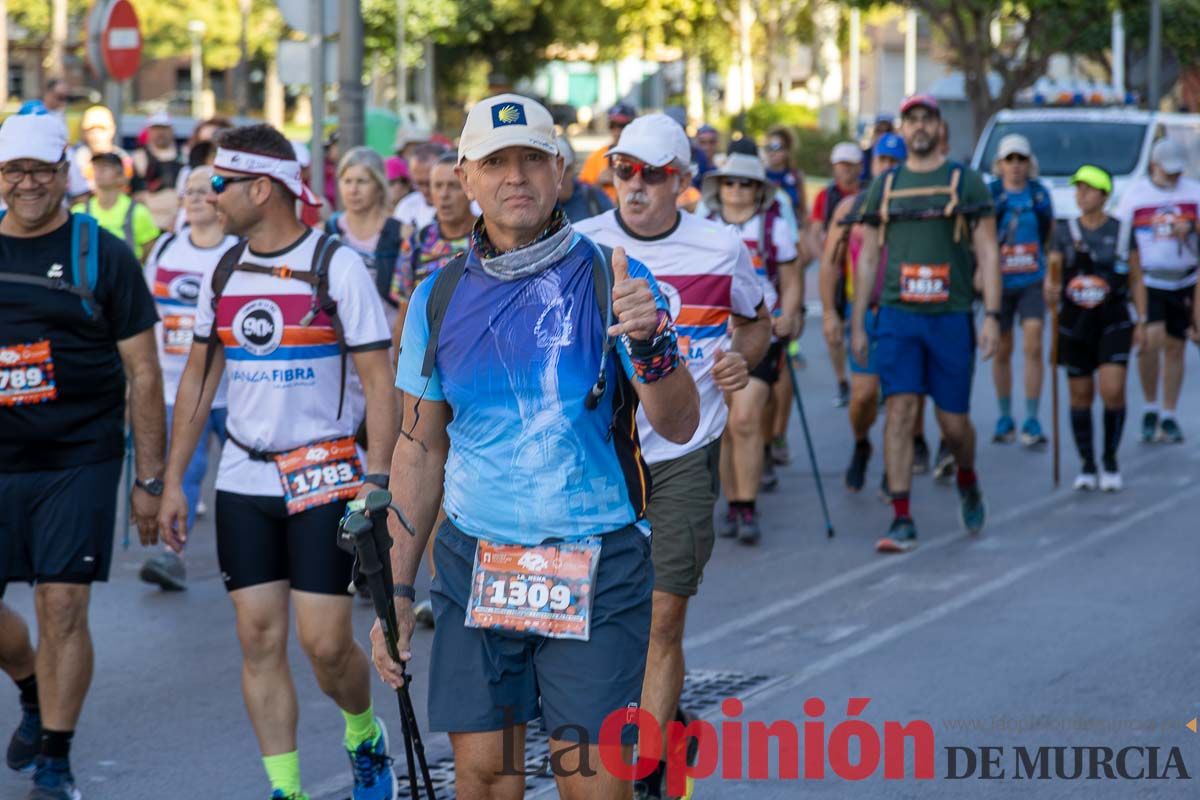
x=812, y=453
x=365, y=534
x=1057, y=446
x=130, y=477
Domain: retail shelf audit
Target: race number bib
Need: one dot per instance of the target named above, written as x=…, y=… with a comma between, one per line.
x=1017, y=259
x=924, y=283
x=177, y=333
x=27, y=374
x=544, y=590
x=1087, y=291
x=319, y=473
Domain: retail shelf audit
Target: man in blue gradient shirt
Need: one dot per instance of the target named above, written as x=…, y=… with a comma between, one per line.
x=520, y=401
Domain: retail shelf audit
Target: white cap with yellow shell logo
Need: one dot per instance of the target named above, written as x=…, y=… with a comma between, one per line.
x=506, y=120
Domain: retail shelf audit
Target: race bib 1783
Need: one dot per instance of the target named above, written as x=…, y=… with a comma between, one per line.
x=319, y=473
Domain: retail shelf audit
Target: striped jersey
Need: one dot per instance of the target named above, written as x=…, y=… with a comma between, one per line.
x=706, y=274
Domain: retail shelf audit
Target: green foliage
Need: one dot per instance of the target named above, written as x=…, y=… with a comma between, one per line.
x=765, y=115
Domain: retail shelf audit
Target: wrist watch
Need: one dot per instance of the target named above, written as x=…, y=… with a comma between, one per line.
x=151, y=486
x=405, y=590
x=380, y=479
x=993, y=314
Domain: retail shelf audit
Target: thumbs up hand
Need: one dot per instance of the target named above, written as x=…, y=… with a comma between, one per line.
x=633, y=302
x=730, y=371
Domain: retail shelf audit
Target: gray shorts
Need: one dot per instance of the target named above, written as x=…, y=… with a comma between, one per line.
x=1028, y=302
x=682, y=495
x=487, y=680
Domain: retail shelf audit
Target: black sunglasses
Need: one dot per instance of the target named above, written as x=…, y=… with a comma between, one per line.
x=741, y=183
x=220, y=183
x=625, y=170
x=1016, y=157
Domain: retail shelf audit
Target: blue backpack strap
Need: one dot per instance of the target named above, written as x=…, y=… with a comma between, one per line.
x=331, y=224
x=1043, y=207
x=85, y=251
x=445, y=281
x=387, y=251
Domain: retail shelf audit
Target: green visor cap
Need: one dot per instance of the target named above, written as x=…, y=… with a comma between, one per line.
x=1093, y=177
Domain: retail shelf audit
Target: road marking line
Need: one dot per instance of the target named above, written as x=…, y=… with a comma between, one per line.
x=934, y=613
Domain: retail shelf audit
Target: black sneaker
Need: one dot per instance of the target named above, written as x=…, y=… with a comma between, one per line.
x=944, y=469
x=972, y=508
x=856, y=473
x=1150, y=427
x=900, y=538
x=25, y=744
x=1170, y=432
x=748, y=531
x=728, y=527
x=165, y=570
x=842, y=398
x=770, y=480
x=920, y=456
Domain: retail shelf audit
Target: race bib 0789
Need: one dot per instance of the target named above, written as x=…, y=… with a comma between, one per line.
x=544, y=590
x=27, y=374
x=924, y=283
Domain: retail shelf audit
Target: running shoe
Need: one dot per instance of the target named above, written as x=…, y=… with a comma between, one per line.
x=770, y=480
x=1006, y=431
x=885, y=494
x=748, y=531
x=856, y=473
x=26, y=741
x=165, y=570
x=52, y=780
x=842, y=398
x=1170, y=432
x=1031, y=433
x=1086, y=482
x=920, y=456
x=1150, y=427
x=1111, y=481
x=424, y=613
x=781, y=454
x=945, y=467
x=728, y=526
x=201, y=508
x=900, y=538
x=372, y=767
x=973, y=508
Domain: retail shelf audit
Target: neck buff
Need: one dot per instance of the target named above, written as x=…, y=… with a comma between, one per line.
x=548, y=249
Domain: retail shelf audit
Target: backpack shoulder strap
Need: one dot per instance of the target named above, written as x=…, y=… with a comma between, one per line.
x=323, y=254
x=1076, y=234
x=602, y=279
x=331, y=224
x=220, y=279
x=128, y=227
x=445, y=281
x=160, y=246
x=387, y=250
x=85, y=257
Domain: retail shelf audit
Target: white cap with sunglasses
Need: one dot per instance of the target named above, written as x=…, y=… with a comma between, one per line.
x=1014, y=144
x=846, y=153
x=656, y=140
x=1169, y=155
x=40, y=137
x=740, y=167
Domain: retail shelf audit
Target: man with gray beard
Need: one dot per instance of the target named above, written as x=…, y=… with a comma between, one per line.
x=720, y=313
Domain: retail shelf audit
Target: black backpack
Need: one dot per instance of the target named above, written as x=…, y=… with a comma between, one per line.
x=85, y=256
x=387, y=250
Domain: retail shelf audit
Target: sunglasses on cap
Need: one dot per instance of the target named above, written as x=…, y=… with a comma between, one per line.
x=741, y=183
x=220, y=183
x=625, y=170
x=1016, y=157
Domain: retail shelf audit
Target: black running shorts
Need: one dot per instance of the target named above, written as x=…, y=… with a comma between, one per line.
x=257, y=542
x=1172, y=307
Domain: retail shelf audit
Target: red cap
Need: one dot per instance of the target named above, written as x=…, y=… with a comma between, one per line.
x=916, y=100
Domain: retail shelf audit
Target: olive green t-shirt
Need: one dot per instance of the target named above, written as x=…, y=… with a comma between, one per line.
x=926, y=270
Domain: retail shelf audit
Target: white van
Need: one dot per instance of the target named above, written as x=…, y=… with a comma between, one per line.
x=1064, y=139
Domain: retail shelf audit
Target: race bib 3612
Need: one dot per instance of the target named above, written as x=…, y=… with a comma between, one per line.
x=924, y=283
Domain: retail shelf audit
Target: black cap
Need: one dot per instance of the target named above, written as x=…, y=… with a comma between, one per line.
x=107, y=158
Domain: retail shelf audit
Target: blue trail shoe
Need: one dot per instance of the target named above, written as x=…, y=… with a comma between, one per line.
x=900, y=538
x=1006, y=431
x=52, y=780
x=973, y=508
x=1031, y=433
x=372, y=767
x=26, y=740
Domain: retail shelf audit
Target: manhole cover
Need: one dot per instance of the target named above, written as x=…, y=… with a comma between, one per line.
x=703, y=691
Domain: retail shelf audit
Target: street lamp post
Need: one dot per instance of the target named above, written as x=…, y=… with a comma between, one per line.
x=197, y=28
x=1155, y=70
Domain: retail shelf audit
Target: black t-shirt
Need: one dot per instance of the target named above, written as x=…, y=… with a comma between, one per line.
x=62, y=382
x=1095, y=278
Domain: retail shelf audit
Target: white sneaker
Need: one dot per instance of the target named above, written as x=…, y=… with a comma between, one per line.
x=201, y=508
x=1086, y=482
x=1111, y=481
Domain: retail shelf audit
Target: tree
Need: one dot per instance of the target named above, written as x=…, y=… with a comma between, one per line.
x=1036, y=30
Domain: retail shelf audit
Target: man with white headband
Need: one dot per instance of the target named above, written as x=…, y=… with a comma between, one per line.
x=76, y=321
x=296, y=319
x=522, y=365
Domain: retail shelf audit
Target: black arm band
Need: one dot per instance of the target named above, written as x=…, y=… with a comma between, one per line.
x=405, y=590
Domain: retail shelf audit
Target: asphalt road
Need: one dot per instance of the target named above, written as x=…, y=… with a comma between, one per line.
x=1071, y=621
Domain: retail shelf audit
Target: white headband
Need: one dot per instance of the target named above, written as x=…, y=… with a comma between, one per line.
x=286, y=171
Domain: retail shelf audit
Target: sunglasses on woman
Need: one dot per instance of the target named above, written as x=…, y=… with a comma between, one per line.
x=1016, y=157
x=625, y=170
x=741, y=183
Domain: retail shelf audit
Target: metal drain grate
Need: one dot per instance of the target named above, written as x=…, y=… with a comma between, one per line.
x=703, y=691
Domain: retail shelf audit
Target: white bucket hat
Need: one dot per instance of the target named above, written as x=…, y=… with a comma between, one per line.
x=738, y=165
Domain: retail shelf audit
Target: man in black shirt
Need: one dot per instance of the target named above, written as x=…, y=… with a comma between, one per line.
x=76, y=323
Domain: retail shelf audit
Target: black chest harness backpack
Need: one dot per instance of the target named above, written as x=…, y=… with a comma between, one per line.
x=85, y=267
x=317, y=277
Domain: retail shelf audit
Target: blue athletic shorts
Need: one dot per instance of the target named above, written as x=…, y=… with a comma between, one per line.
x=486, y=680
x=931, y=354
x=872, y=365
